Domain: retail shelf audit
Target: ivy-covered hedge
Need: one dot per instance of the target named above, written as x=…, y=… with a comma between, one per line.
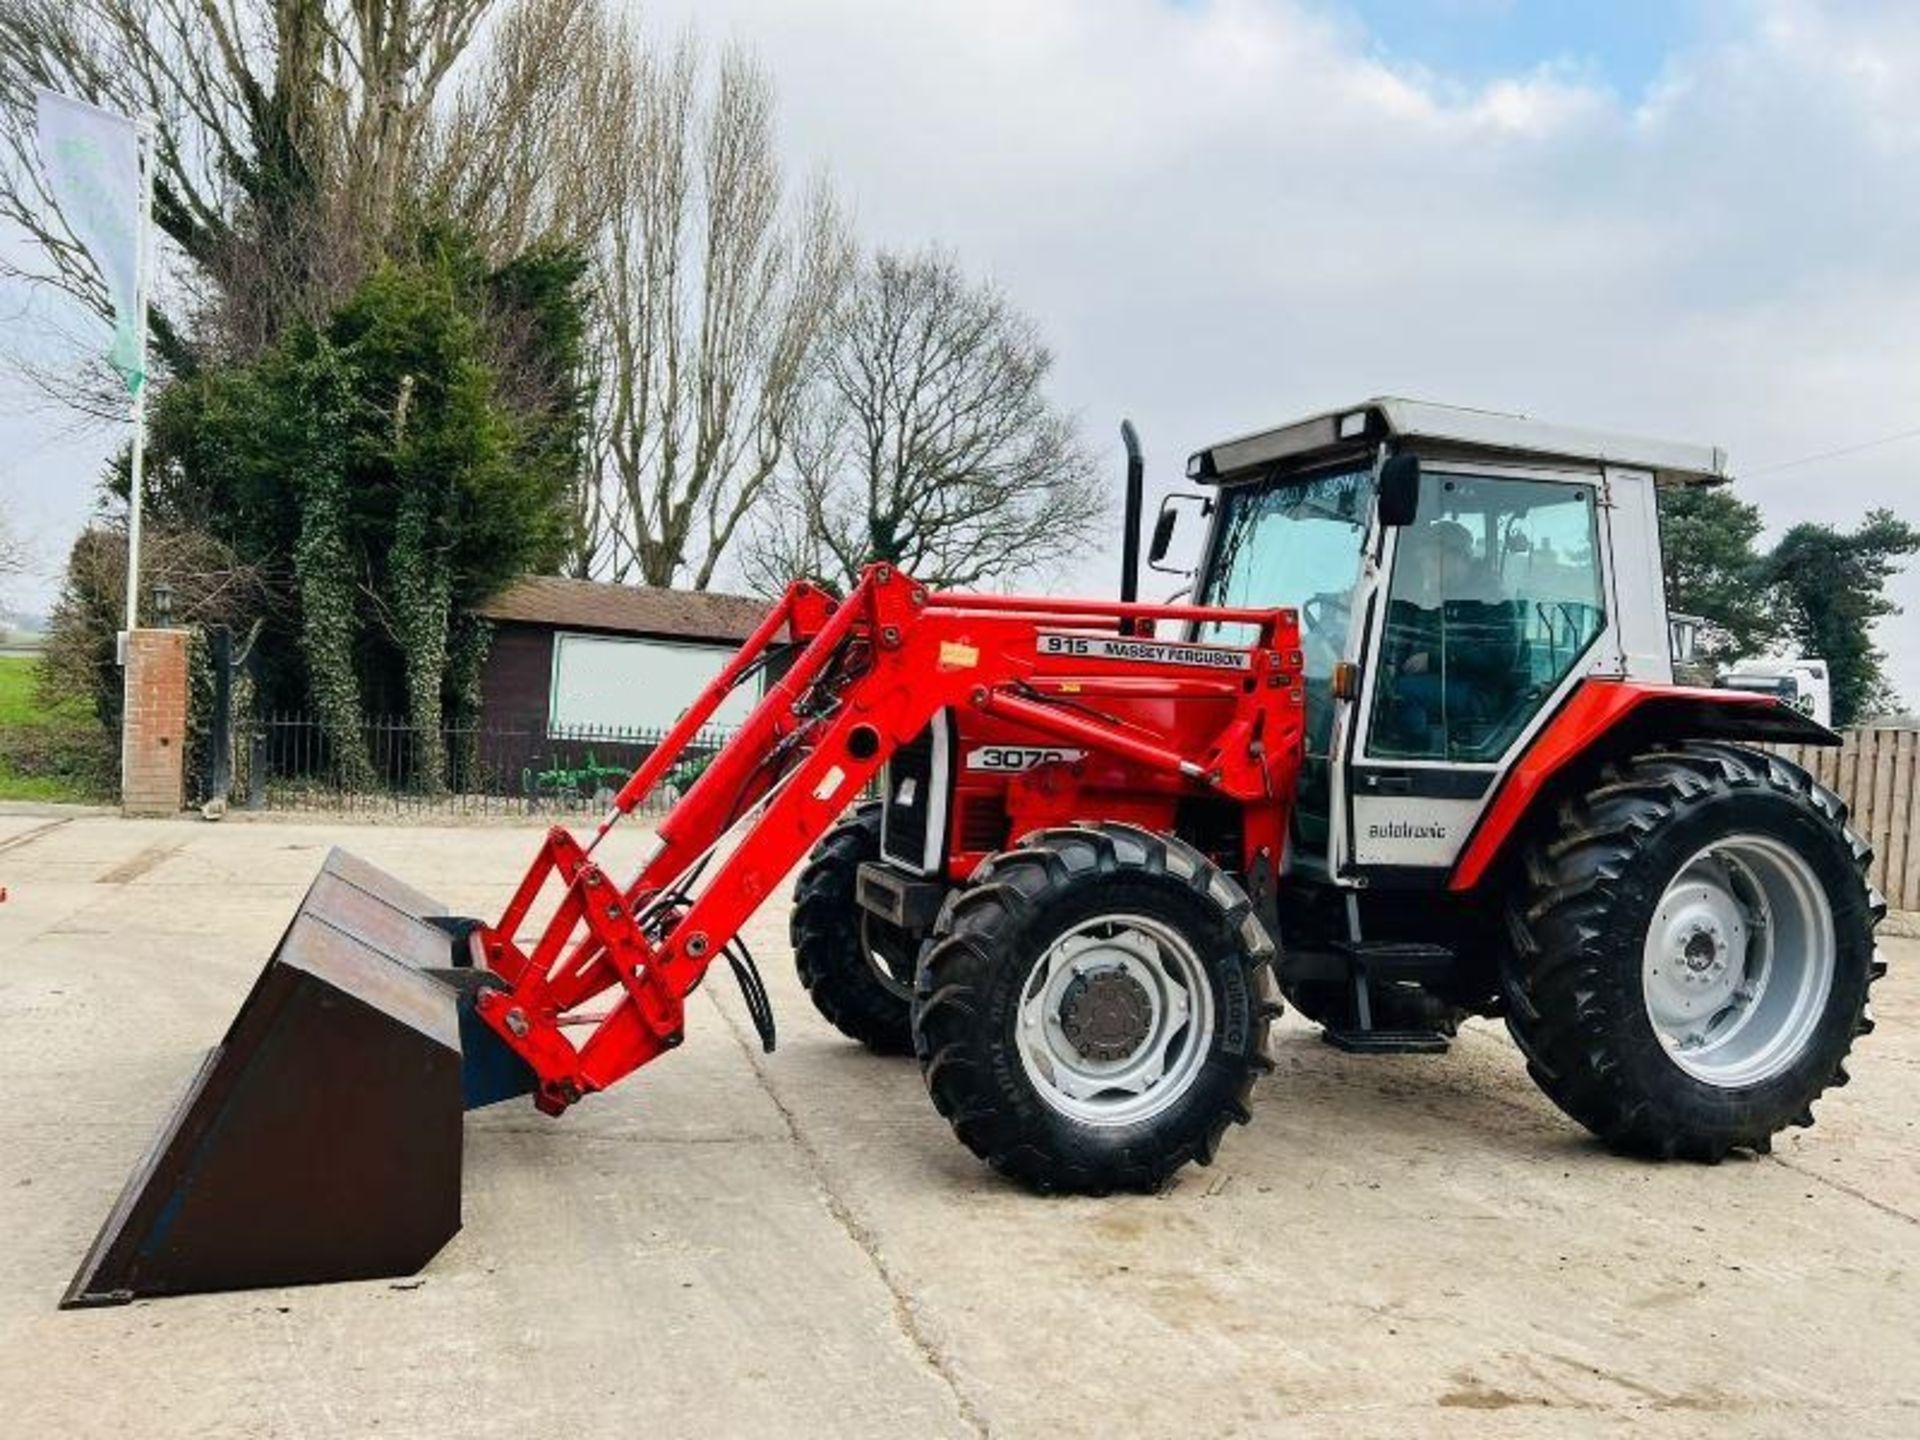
x=385, y=471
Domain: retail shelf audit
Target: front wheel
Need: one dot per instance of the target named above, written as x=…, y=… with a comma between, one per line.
x=1092, y=1010
x=1692, y=962
x=857, y=968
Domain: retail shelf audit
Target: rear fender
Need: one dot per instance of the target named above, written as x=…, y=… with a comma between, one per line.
x=1605, y=718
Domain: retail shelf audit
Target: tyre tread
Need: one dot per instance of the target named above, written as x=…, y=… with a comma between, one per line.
x=1559, y=970
x=828, y=951
x=966, y=948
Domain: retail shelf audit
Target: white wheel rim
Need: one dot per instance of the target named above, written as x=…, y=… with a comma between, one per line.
x=1116, y=1020
x=1739, y=961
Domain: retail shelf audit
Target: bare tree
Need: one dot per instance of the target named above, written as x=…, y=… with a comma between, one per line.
x=210, y=584
x=521, y=158
x=13, y=559
x=712, y=287
x=933, y=445
x=285, y=133
x=294, y=133
x=519, y=155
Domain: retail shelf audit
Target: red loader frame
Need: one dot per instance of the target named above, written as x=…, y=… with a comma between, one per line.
x=870, y=673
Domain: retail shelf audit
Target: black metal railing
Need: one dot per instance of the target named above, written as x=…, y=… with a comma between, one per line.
x=531, y=768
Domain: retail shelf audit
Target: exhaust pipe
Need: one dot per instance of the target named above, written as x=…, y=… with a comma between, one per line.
x=321, y=1138
x=1134, y=506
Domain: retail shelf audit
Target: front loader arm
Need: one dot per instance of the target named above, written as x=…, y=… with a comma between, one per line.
x=871, y=676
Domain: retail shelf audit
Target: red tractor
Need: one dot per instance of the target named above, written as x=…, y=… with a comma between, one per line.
x=1412, y=752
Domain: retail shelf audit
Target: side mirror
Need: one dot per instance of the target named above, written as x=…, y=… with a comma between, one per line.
x=1162, y=536
x=1400, y=490
x=1164, y=526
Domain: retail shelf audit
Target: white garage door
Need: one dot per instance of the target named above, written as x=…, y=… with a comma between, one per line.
x=608, y=684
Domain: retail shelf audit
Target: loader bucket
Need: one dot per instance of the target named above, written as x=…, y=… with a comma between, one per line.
x=320, y=1140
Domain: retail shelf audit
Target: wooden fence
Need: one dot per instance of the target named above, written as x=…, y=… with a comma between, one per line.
x=1877, y=772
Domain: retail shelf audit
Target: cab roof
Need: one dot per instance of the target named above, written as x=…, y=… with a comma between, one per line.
x=1452, y=429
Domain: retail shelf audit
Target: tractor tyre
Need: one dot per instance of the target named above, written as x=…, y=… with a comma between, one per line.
x=856, y=967
x=1092, y=1009
x=1692, y=952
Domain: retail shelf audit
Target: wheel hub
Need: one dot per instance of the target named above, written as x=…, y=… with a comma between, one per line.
x=1738, y=961
x=1106, y=1015
x=1696, y=955
x=1116, y=1019
x=1703, y=954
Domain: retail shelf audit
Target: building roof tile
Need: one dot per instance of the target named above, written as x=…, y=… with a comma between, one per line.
x=625, y=609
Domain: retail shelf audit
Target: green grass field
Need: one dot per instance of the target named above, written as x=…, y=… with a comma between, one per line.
x=46, y=752
x=18, y=704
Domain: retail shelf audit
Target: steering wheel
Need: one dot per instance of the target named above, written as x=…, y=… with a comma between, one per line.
x=1323, y=619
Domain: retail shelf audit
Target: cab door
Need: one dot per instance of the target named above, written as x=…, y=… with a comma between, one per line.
x=1487, y=611
x=1297, y=540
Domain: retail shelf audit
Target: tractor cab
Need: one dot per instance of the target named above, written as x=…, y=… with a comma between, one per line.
x=1457, y=574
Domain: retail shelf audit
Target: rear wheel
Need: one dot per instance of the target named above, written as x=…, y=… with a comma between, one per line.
x=856, y=967
x=1692, y=962
x=1091, y=1012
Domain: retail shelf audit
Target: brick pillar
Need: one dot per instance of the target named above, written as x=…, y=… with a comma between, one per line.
x=153, y=736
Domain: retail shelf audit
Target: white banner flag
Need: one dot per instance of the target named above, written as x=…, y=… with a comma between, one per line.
x=93, y=165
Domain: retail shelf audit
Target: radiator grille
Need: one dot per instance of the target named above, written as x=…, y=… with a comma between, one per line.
x=910, y=799
x=983, y=823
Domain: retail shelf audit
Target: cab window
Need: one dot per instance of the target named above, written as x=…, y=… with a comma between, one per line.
x=1496, y=595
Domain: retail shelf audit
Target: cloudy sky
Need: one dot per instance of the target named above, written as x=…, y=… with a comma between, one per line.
x=1695, y=220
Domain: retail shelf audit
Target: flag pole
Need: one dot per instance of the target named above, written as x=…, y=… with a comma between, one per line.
x=143, y=128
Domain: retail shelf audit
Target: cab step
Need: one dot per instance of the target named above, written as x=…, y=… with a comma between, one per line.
x=1390, y=960
x=1374, y=968
x=1387, y=1042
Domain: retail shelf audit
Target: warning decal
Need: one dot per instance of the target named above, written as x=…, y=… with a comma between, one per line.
x=958, y=655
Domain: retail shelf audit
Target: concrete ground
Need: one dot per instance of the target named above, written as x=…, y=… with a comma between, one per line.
x=795, y=1244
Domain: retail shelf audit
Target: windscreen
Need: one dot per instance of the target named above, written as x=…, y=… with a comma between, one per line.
x=1293, y=543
